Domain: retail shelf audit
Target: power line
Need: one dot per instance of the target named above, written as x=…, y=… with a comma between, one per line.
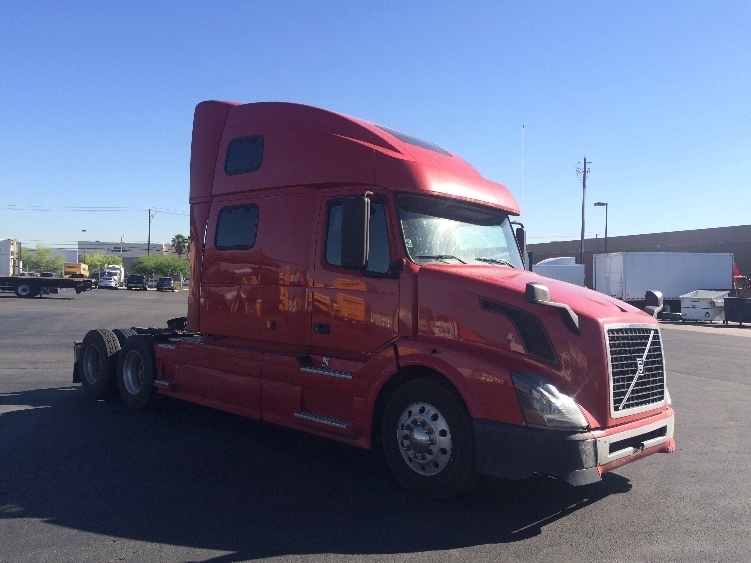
x=674, y=172
x=12, y=207
x=680, y=136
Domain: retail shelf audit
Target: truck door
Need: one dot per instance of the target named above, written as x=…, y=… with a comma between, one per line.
x=354, y=312
x=353, y=315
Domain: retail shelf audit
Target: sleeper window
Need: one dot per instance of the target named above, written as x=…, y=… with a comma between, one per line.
x=236, y=228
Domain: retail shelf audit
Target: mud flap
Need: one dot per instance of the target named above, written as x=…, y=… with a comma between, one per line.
x=76, y=362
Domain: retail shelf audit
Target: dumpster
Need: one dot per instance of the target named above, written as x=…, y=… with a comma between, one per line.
x=737, y=310
x=703, y=305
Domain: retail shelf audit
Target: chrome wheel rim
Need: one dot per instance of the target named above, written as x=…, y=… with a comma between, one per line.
x=424, y=439
x=91, y=364
x=133, y=372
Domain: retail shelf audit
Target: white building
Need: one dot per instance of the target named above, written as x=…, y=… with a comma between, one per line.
x=127, y=251
x=69, y=255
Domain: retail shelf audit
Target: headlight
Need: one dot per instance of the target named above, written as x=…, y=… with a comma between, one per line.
x=543, y=405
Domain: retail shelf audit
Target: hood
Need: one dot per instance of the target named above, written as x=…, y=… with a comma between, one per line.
x=486, y=305
x=510, y=284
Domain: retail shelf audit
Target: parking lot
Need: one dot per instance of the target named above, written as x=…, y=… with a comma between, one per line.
x=91, y=481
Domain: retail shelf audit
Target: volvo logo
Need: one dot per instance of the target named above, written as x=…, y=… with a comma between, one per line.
x=639, y=369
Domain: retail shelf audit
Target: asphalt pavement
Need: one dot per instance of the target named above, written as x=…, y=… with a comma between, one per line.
x=84, y=480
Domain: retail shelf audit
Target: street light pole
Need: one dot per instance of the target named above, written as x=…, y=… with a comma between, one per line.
x=84, y=246
x=605, y=205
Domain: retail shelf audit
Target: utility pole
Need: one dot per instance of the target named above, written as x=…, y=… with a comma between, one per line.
x=148, y=244
x=582, y=173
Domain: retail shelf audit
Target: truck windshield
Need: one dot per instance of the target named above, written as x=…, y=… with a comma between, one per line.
x=437, y=229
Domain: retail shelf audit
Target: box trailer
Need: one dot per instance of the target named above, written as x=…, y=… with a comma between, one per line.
x=563, y=268
x=628, y=275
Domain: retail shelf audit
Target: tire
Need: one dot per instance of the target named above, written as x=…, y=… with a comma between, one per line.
x=122, y=334
x=26, y=290
x=428, y=441
x=136, y=372
x=99, y=352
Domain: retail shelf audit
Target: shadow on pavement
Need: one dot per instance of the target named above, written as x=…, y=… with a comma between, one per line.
x=190, y=476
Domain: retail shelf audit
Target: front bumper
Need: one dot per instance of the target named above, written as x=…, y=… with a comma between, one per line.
x=579, y=458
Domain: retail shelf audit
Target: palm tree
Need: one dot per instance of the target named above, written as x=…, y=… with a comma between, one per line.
x=180, y=244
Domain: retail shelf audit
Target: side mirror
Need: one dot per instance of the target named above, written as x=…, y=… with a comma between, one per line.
x=538, y=293
x=355, y=232
x=653, y=302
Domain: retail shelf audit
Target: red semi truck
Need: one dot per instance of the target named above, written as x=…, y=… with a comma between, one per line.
x=360, y=284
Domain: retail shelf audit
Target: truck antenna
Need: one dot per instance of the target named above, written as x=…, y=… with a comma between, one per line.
x=522, y=209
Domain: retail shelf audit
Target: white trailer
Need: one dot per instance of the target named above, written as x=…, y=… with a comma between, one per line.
x=117, y=272
x=628, y=275
x=563, y=268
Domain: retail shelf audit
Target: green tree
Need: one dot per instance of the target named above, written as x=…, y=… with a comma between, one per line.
x=180, y=244
x=40, y=259
x=175, y=267
x=146, y=265
x=161, y=266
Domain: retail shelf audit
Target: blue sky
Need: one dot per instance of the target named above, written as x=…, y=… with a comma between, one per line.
x=97, y=98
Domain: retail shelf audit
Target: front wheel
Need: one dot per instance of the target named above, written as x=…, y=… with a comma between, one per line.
x=136, y=372
x=428, y=440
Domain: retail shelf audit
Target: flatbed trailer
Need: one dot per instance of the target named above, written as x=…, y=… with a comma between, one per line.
x=31, y=286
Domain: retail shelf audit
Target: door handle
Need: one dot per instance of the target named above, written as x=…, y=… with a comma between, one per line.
x=322, y=328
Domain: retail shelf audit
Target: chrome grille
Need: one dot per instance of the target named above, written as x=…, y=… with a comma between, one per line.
x=637, y=373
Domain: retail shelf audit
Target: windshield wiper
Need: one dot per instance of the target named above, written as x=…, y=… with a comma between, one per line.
x=496, y=261
x=440, y=257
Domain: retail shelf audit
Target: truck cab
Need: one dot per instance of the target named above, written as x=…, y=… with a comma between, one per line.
x=364, y=285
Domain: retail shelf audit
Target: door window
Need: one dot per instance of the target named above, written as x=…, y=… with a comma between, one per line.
x=379, y=255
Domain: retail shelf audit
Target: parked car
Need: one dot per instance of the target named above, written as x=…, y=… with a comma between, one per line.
x=106, y=282
x=94, y=281
x=136, y=281
x=152, y=283
x=165, y=284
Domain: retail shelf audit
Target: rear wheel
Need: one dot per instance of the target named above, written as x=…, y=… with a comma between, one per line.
x=122, y=334
x=100, y=348
x=428, y=440
x=27, y=290
x=136, y=372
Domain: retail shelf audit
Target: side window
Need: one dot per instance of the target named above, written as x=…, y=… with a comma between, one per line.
x=236, y=228
x=379, y=257
x=244, y=154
